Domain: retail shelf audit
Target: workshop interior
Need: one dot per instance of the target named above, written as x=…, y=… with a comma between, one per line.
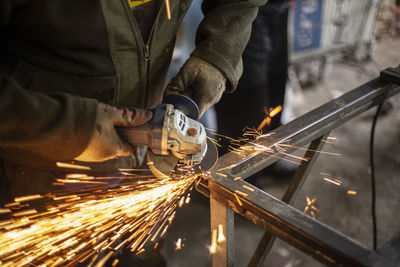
x=154, y=133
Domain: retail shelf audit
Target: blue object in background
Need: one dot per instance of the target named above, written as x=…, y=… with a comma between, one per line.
x=307, y=25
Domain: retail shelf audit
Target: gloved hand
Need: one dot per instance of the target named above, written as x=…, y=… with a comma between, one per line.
x=200, y=81
x=105, y=143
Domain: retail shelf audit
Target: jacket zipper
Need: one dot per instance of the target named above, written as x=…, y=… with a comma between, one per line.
x=145, y=46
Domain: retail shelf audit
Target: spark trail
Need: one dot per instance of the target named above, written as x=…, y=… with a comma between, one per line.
x=90, y=227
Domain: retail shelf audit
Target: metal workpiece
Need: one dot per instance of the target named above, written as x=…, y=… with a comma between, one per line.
x=308, y=127
x=222, y=219
x=225, y=184
x=310, y=157
x=291, y=225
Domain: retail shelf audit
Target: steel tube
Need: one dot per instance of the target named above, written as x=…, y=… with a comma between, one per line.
x=284, y=221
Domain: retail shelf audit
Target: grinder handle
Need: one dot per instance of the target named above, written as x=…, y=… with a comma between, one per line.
x=148, y=134
x=137, y=136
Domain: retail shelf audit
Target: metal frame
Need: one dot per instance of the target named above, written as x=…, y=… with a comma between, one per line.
x=277, y=217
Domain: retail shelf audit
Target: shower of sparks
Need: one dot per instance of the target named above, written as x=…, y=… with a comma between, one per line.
x=249, y=146
x=92, y=225
x=311, y=207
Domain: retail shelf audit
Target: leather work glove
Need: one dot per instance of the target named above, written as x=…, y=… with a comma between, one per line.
x=200, y=81
x=105, y=143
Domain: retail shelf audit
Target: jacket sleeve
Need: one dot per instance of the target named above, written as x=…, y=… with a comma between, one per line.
x=224, y=33
x=57, y=126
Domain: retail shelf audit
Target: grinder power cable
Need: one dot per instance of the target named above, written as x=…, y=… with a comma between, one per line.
x=173, y=135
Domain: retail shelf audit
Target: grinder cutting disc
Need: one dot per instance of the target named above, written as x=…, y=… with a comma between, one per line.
x=209, y=160
x=162, y=166
x=184, y=104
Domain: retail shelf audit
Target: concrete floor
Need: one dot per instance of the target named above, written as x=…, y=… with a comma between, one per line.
x=349, y=214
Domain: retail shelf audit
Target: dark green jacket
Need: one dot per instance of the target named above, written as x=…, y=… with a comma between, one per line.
x=59, y=56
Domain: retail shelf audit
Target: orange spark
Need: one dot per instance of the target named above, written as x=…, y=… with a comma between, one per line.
x=115, y=263
x=24, y=213
x=248, y=188
x=168, y=9
x=181, y=202
x=178, y=244
x=221, y=236
x=241, y=193
x=269, y=114
x=228, y=167
x=187, y=199
x=27, y=198
x=275, y=111
x=238, y=199
x=71, y=166
x=213, y=247
x=266, y=121
x=332, y=181
x=5, y=211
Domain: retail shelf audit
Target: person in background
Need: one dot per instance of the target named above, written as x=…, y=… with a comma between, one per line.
x=263, y=83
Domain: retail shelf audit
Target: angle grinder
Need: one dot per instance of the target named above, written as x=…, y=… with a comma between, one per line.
x=173, y=135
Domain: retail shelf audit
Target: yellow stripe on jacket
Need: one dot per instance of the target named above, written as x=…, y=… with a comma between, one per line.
x=133, y=3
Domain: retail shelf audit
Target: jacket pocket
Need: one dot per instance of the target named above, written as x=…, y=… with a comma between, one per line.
x=46, y=81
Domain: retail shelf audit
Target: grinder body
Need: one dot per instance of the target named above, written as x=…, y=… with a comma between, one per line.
x=170, y=135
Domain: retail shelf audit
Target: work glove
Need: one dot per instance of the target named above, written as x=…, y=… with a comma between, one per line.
x=106, y=143
x=200, y=81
